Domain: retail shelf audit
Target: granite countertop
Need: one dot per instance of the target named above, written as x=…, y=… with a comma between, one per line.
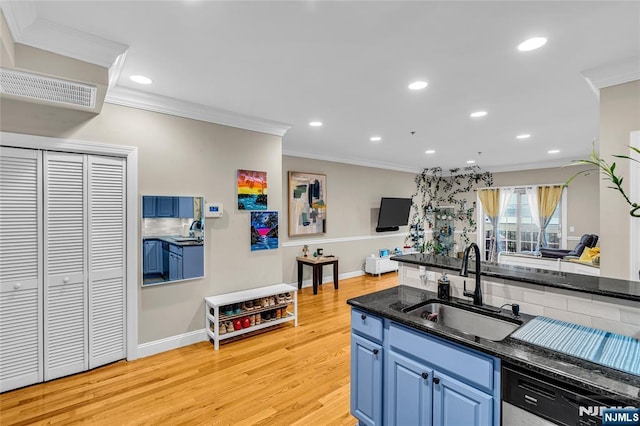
x=621, y=289
x=174, y=240
x=598, y=379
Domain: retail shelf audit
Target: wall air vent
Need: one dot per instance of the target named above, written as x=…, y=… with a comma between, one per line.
x=47, y=89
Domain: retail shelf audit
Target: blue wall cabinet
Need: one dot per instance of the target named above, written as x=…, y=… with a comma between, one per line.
x=366, y=380
x=184, y=207
x=165, y=206
x=152, y=259
x=409, y=391
x=192, y=261
x=149, y=206
x=455, y=403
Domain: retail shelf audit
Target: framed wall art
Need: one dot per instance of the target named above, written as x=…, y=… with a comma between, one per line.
x=307, y=204
x=252, y=190
x=264, y=230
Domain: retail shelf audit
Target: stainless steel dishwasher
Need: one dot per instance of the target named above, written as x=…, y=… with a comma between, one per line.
x=534, y=400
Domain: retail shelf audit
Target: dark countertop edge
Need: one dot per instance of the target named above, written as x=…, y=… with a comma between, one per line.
x=527, y=280
x=542, y=367
x=172, y=241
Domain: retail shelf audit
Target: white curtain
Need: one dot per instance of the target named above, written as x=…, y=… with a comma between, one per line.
x=505, y=197
x=532, y=196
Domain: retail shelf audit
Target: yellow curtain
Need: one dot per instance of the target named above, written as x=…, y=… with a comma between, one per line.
x=548, y=197
x=490, y=199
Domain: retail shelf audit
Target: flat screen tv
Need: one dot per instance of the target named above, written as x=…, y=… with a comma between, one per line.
x=394, y=212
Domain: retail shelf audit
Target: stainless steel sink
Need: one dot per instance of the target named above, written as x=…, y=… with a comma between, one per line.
x=476, y=323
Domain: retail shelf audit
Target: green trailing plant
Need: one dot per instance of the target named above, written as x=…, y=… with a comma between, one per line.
x=609, y=173
x=434, y=188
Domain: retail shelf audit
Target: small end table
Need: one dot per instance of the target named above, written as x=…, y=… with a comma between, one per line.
x=317, y=263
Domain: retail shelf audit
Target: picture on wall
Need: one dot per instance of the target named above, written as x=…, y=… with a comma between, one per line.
x=307, y=203
x=252, y=190
x=264, y=230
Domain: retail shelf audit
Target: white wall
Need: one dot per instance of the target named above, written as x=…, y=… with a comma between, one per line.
x=178, y=156
x=353, y=201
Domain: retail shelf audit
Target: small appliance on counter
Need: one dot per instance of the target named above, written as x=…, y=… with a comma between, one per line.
x=444, y=287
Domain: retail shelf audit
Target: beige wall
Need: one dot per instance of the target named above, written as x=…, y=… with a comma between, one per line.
x=619, y=116
x=583, y=207
x=179, y=156
x=353, y=199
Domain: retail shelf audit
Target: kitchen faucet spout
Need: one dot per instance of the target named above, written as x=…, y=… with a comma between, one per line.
x=477, y=291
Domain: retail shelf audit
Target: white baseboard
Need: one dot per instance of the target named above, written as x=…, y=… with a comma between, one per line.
x=173, y=342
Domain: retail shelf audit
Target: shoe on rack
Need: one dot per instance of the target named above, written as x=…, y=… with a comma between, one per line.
x=278, y=314
x=280, y=299
x=258, y=319
x=222, y=329
x=287, y=297
x=230, y=327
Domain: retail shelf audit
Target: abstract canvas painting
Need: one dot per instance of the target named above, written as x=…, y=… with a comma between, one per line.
x=307, y=203
x=252, y=190
x=264, y=230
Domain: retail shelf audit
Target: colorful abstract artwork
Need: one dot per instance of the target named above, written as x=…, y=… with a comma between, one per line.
x=307, y=203
x=252, y=190
x=264, y=230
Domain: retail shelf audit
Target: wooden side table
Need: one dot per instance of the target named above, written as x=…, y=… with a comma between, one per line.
x=317, y=263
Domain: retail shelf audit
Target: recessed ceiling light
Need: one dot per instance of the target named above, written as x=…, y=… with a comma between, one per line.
x=418, y=85
x=471, y=161
x=375, y=138
x=553, y=151
x=430, y=151
x=315, y=123
x=478, y=114
x=140, y=79
x=532, y=44
x=523, y=136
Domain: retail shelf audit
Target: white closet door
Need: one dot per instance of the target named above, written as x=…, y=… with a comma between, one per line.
x=107, y=233
x=65, y=286
x=20, y=268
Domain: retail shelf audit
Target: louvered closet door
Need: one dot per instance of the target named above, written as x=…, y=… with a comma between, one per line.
x=20, y=268
x=65, y=265
x=107, y=232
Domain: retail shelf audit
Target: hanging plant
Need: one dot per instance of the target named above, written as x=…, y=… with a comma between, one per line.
x=434, y=189
x=608, y=172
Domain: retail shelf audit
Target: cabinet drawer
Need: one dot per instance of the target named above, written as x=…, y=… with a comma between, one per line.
x=468, y=366
x=366, y=325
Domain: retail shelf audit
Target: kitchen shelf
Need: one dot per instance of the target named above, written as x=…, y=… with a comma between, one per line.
x=216, y=302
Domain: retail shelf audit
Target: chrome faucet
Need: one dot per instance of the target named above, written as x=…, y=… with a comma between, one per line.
x=477, y=292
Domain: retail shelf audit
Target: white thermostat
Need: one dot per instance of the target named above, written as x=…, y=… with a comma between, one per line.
x=213, y=210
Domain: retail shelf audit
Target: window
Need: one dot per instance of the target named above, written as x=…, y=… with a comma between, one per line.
x=517, y=229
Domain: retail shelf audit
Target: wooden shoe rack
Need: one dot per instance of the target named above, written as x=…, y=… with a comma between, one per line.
x=215, y=318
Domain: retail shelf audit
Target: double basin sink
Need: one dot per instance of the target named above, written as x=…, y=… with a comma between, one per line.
x=482, y=321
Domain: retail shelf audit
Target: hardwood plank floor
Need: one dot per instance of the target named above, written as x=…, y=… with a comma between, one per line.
x=287, y=376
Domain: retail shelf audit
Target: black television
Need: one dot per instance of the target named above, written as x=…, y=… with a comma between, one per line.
x=394, y=212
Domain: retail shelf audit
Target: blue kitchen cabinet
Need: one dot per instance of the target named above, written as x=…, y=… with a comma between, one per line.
x=184, y=207
x=165, y=206
x=192, y=261
x=149, y=206
x=409, y=385
x=426, y=380
x=366, y=380
x=152, y=257
x=175, y=262
x=455, y=403
x=367, y=368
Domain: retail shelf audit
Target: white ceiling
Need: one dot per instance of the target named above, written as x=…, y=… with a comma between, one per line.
x=348, y=65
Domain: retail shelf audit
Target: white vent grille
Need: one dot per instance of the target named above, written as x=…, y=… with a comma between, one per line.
x=47, y=89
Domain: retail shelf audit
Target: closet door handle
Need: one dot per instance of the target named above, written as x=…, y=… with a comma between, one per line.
x=17, y=286
x=66, y=280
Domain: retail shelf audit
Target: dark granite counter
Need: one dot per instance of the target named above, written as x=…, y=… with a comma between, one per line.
x=621, y=289
x=175, y=240
x=623, y=387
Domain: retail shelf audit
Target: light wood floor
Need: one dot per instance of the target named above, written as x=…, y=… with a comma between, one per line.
x=288, y=376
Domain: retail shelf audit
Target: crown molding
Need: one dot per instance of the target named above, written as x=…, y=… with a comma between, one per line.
x=353, y=161
x=163, y=104
x=614, y=73
x=26, y=28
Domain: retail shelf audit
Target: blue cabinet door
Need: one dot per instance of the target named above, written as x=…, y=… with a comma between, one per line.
x=152, y=257
x=165, y=206
x=184, y=207
x=455, y=403
x=192, y=261
x=149, y=206
x=408, y=391
x=173, y=267
x=366, y=381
